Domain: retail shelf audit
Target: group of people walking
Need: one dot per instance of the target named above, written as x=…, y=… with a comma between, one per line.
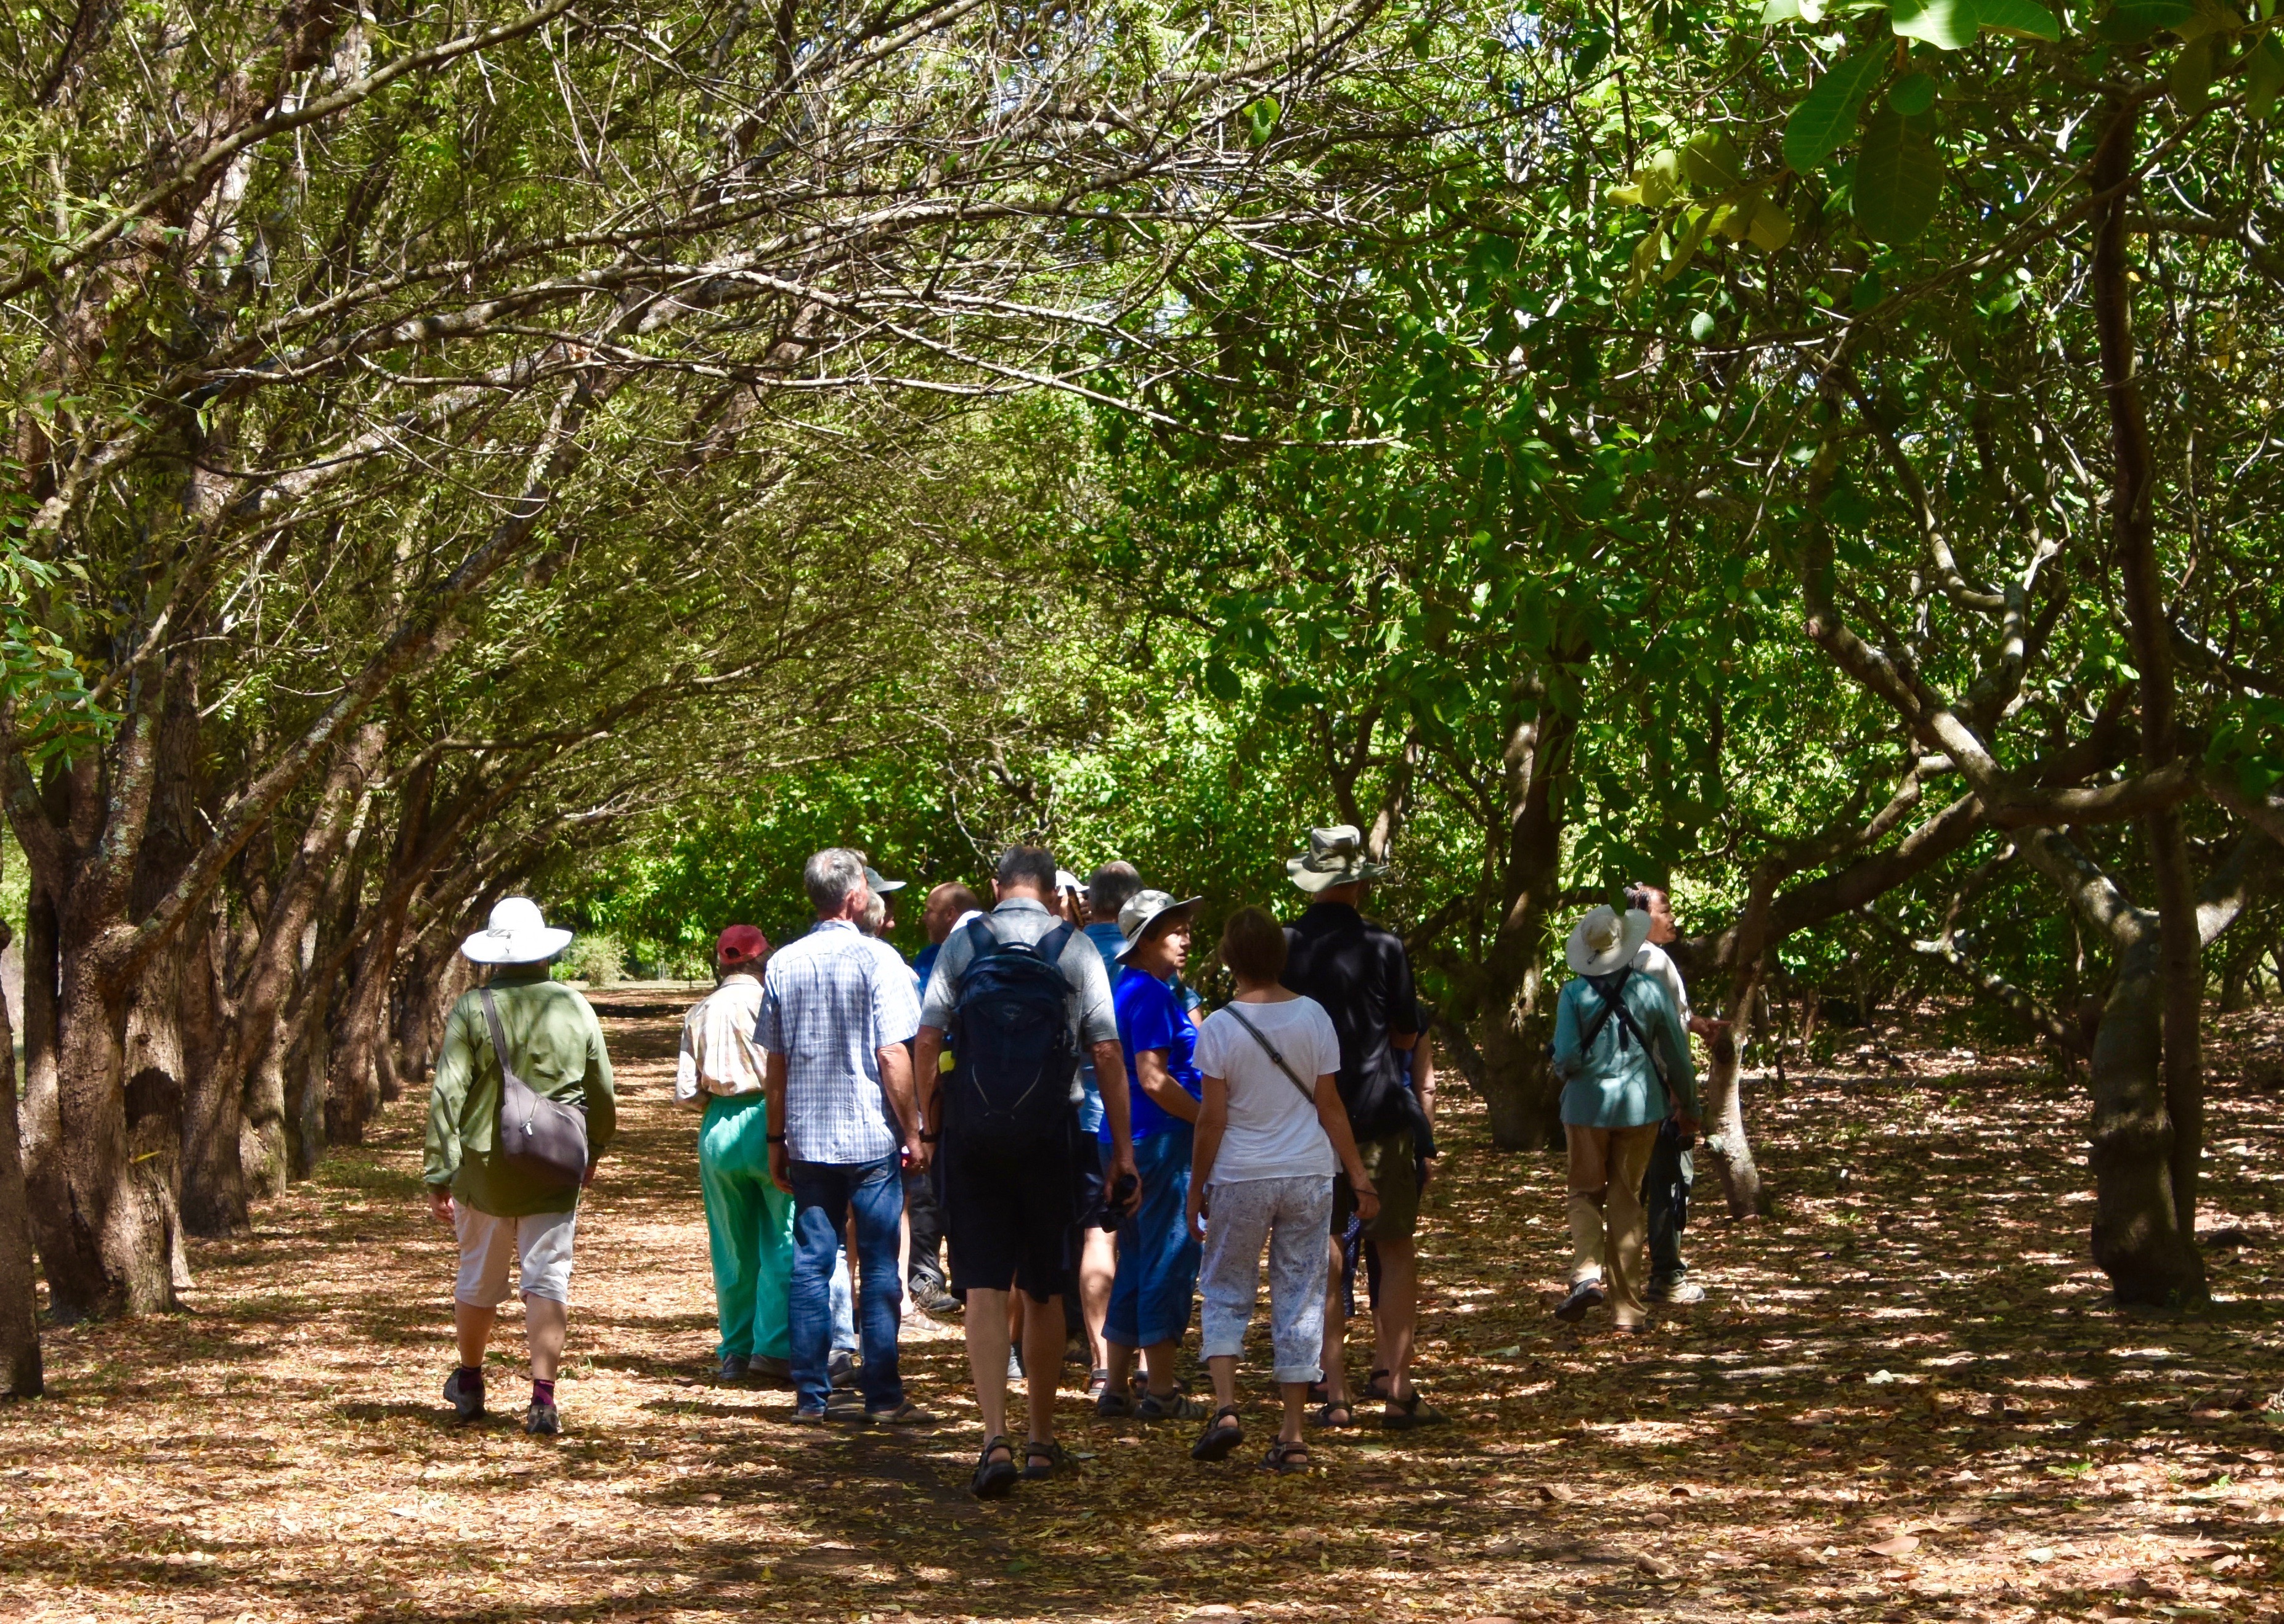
x=1043, y=1098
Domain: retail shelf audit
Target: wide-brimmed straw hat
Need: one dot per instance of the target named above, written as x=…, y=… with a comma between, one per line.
x=1335, y=857
x=1605, y=940
x=518, y=934
x=1142, y=910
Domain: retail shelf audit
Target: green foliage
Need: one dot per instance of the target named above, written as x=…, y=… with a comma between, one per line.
x=593, y=957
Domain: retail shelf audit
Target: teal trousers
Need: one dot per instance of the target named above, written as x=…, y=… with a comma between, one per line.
x=748, y=1228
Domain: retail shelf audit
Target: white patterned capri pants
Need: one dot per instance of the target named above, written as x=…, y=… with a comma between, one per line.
x=1293, y=1217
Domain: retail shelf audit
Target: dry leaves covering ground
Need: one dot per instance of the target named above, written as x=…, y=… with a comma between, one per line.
x=1904, y=1399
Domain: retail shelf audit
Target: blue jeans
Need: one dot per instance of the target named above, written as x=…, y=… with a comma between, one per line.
x=1157, y=1258
x=823, y=1195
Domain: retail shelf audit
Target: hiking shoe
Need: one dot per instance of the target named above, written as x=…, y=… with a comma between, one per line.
x=1014, y=1366
x=928, y=1295
x=1676, y=1291
x=769, y=1367
x=467, y=1402
x=735, y=1367
x=1584, y=1295
x=840, y=1368
x=1175, y=1406
x=541, y=1421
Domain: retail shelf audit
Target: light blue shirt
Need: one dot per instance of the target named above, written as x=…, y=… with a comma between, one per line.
x=1605, y=1085
x=830, y=1003
x=1109, y=938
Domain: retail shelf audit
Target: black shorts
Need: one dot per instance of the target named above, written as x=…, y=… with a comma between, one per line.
x=1011, y=1214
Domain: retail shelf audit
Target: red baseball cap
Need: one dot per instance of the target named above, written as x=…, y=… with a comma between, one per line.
x=742, y=944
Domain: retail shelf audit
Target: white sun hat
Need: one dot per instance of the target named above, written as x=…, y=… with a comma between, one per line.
x=1605, y=940
x=1142, y=910
x=517, y=935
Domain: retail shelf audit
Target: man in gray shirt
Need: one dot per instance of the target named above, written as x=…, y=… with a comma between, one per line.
x=1011, y=1211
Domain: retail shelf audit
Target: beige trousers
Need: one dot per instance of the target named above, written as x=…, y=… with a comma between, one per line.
x=1608, y=1226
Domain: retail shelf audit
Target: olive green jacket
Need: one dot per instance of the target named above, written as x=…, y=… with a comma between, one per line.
x=558, y=1047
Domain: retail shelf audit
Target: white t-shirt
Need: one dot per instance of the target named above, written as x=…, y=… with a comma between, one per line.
x=1274, y=1131
x=1656, y=962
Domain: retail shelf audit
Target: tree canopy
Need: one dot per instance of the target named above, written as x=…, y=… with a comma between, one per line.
x=1818, y=457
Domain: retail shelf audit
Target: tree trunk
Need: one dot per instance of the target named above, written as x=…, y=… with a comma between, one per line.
x=105, y=1237
x=2140, y=1240
x=1519, y=1084
x=214, y=1199
x=20, y=1298
x=257, y=1057
x=1726, y=1141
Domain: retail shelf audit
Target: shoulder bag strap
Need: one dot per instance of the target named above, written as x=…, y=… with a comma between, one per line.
x=509, y=1080
x=1261, y=1038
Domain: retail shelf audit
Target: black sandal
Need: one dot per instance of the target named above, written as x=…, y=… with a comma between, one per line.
x=1414, y=1411
x=1286, y=1458
x=1217, y=1441
x=993, y=1479
x=1380, y=1385
x=1046, y=1449
x=1340, y=1407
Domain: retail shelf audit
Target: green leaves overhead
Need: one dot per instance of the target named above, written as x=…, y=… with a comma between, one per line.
x=2022, y=19
x=1825, y=119
x=2133, y=21
x=1911, y=95
x=1947, y=24
x=1711, y=162
x=2263, y=77
x=1898, y=177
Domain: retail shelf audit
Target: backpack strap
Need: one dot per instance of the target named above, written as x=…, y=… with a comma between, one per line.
x=1051, y=946
x=1283, y=1065
x=1614, y=1006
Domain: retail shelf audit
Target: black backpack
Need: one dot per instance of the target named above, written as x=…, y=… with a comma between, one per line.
x=1013, y=1056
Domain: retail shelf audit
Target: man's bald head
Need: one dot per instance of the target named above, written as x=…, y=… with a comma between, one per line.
x=945, y=904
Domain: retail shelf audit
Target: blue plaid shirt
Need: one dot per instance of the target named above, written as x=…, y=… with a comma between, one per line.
x=830, y=1003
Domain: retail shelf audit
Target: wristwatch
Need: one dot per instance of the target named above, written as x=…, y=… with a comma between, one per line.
x=777, y=1138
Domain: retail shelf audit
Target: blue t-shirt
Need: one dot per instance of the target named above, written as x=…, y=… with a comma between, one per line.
x=1151, y=1016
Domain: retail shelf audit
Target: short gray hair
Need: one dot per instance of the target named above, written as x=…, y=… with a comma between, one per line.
x=876, y=914
x=1109, y=886
x=831, y=876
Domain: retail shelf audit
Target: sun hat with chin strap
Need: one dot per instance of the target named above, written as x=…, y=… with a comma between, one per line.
x=517, y=934
x=1605, y=940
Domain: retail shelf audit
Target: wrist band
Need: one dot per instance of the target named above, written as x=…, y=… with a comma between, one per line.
x=930, y=1138
x=777, y=1138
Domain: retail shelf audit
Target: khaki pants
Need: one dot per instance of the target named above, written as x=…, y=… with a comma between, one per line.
x=1608, y=1225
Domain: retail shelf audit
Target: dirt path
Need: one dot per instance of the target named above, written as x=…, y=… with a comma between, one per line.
x=1905, y=1400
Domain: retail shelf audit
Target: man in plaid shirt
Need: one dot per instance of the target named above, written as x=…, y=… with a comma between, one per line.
x=836, y=1012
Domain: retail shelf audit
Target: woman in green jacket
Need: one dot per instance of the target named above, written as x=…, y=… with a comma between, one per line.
x=498, y=1207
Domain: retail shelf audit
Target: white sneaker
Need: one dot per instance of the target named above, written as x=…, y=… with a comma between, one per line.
x=1678, y=1291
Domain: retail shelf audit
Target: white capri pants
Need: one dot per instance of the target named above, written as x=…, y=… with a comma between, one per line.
x=1293, y=1215
x=540, y=1241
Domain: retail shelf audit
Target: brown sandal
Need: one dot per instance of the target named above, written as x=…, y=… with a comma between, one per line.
x=1286, y=1458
